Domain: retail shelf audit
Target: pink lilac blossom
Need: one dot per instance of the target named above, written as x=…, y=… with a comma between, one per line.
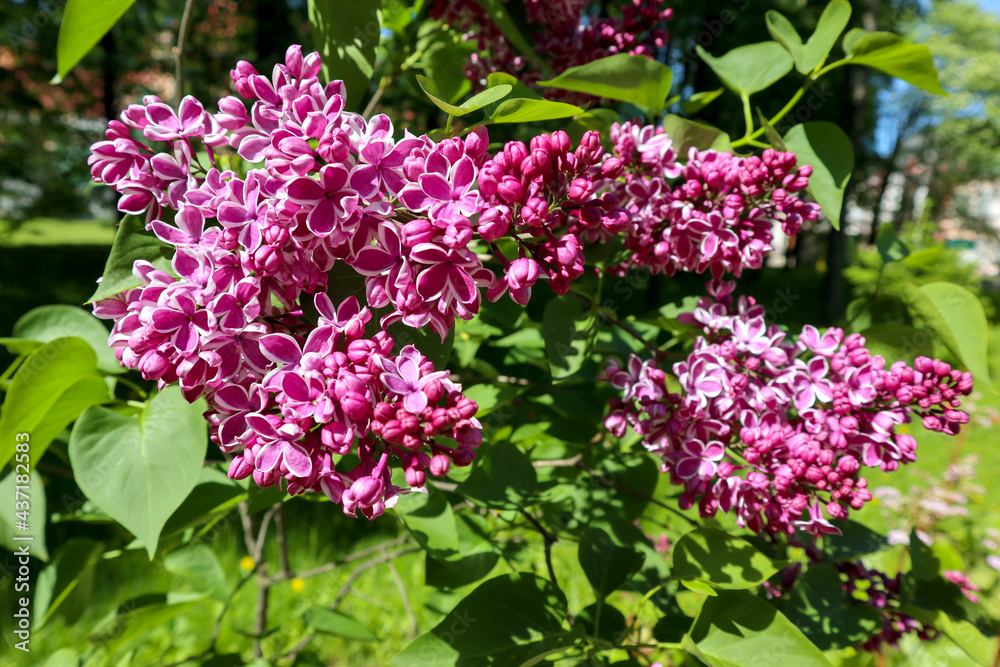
x=252, y=253
x=775, y=429
x=289, y=396
x=564, y=38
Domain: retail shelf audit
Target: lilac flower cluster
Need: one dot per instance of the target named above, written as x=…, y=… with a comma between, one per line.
x=253, y=248
x=287, y=394
x=718, y=217
x=563, y=38
x=775, y=429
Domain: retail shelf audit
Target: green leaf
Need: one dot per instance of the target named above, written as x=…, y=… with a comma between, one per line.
x=71, y=563
x=139, y=469
x=213, y=497
x=687, y=134
x=50, y=389
x=699, y=101
x=721, y=559
x=34, y=494
x=462, y=572
x=832, y=22
x=812, y=54
x=485, y=98
x=956, y=316
x=565, y=340
x=132, y=242
x=84, y=23
x=612, y=622
x=820, y=608
x=426, y=340
x=515, y=619
x=966, y=636
x=138, y=616
x=636, y=79
x=783, y=32
x=924, y=563
x=47, y=323
x=737, y=629
x=503, y=478
x=890, y=53
x=347, y=34
x=827, y=149
x=198, y=565
x=890, y=247
x=750, y=69
x=925, y=259
x=525, y=110
x=898, y=342
x=429, y=519
x=332, y=622
x=607, y=563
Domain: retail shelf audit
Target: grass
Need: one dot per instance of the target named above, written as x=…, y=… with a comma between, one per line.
x=56, y=232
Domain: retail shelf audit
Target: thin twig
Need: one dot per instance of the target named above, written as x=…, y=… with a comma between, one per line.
x=559, y=463
x=549, y=540
x=370, y=107
x=248, y=531
x=364, y=567
x=265, y=522
x=279, y=524
x=327, y=567
x=414, y=628
x=182, y=35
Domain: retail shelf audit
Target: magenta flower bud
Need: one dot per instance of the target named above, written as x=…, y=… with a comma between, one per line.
x=440, y=464
x=494, y=223
x=392, y=432
x=477, y=141
x=434, y=391
x=848, y=465
x=612, y=168
x=417, y=231
x=153, y=365
x=367, y=490
x=535, y=212
x=580, y=190
x=293, y=60
x=462, y=457
x=923, y=365
x=523, y=272
x=510, y=189
x=412, y=442
x=836, y=510
x=957, y=416
x=355, y=406
x=932, y=423
x=415, y=476
x=240, y=468
x=384, y=412
x=467, y=408
x=941, y=368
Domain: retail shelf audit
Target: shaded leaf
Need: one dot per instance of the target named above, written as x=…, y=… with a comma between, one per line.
x=515, y=619
x=347, y=34
x=723, y=560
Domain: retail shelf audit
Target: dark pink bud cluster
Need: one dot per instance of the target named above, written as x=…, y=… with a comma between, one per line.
x=545, y=196
x=775, y=429
x=566, y=37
